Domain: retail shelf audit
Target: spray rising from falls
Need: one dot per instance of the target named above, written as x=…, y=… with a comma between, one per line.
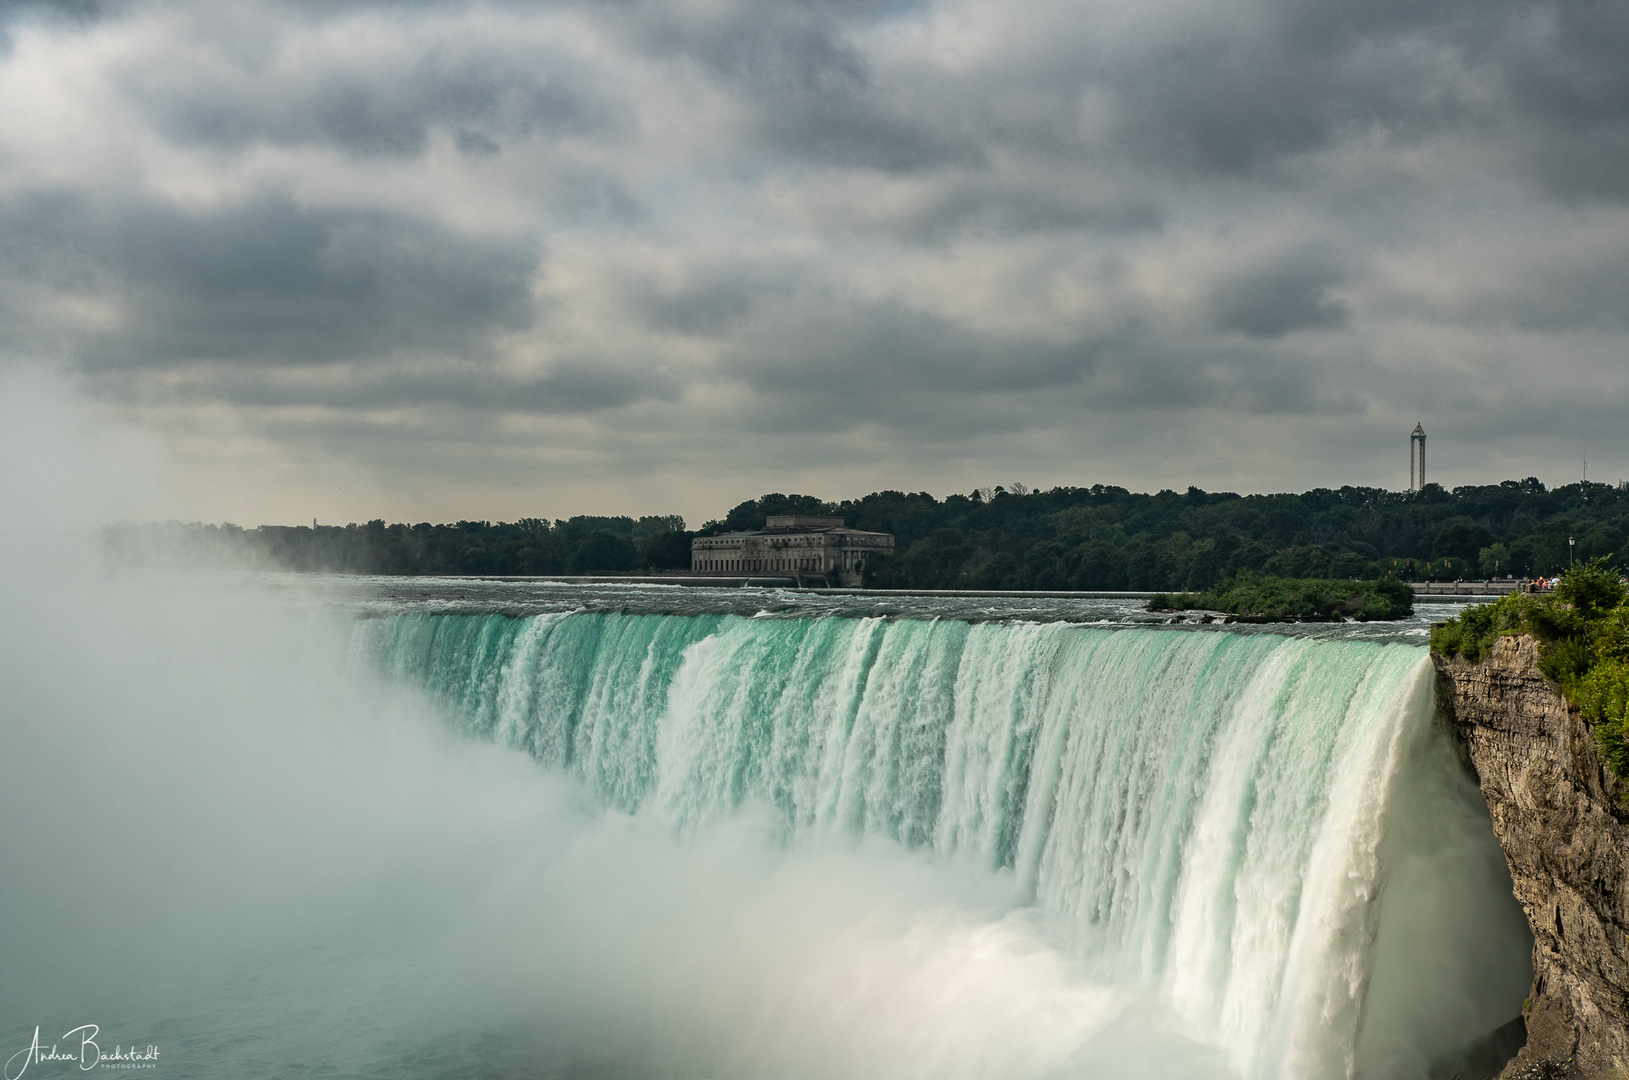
x=1200, y=814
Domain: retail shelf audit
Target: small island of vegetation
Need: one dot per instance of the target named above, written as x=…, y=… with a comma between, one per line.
x=1583, y=634
x=1253, y=598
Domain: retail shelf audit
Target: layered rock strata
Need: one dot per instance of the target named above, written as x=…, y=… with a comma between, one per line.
x=1560, y=817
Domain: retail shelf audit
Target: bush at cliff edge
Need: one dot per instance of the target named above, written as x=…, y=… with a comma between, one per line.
x=1583, y=634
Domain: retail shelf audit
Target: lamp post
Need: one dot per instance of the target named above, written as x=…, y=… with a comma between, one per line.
x=1570, y=543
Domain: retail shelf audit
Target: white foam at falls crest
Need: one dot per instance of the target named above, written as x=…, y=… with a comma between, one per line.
x=1198, y=814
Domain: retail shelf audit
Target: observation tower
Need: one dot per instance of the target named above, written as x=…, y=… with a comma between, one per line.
x=1416, y=439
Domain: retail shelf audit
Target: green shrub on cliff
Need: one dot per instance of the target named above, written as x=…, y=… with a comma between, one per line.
x=1602, y=695
x=1472, y=633
x=1587, y=606
x=1274, y=599
x=1583, y=634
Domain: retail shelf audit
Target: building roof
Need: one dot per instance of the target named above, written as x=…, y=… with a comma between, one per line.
x=772, y=528
x=801, y=521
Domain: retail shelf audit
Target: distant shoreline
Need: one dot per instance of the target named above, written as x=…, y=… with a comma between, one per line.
x=1438, y=591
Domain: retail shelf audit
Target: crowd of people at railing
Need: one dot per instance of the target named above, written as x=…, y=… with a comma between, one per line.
x=1541, y=584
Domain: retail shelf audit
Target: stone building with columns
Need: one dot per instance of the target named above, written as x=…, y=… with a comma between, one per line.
x=790, y=546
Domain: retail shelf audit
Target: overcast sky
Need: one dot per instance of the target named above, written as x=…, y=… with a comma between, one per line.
x=442, y=260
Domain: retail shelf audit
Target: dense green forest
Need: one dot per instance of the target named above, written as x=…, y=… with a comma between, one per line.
x=1066, y=538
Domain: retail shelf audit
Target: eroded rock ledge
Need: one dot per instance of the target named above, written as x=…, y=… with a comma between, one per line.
x=1559, y=816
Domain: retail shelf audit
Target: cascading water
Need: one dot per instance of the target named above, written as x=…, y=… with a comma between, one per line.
x=1203, y=815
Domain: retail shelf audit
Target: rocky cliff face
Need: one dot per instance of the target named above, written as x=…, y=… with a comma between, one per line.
x=1560, y=817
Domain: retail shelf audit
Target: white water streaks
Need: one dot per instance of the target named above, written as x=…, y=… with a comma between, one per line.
x=1199, y=815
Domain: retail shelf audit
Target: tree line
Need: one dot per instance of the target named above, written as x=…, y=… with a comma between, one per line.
x=578, y=545
x=1101, y=537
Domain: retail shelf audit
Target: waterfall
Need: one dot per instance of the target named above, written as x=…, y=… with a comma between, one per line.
x=1202, y=814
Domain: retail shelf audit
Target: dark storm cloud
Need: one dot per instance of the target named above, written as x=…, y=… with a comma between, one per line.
x=847, y=128
x=977, y=204
x=870, y=352
x=1572, y=86
x=1295, y=75
x=812, y=92
x=1210, y=89
x=16, y=15
x=1234, y=92
x=570, y=387
x=1151, y=371
x=386, y=107
x=74, y=9
x=758, y=43
x=266, y=280
x=701, y=308
x=1290, y=293
x=848, y=363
